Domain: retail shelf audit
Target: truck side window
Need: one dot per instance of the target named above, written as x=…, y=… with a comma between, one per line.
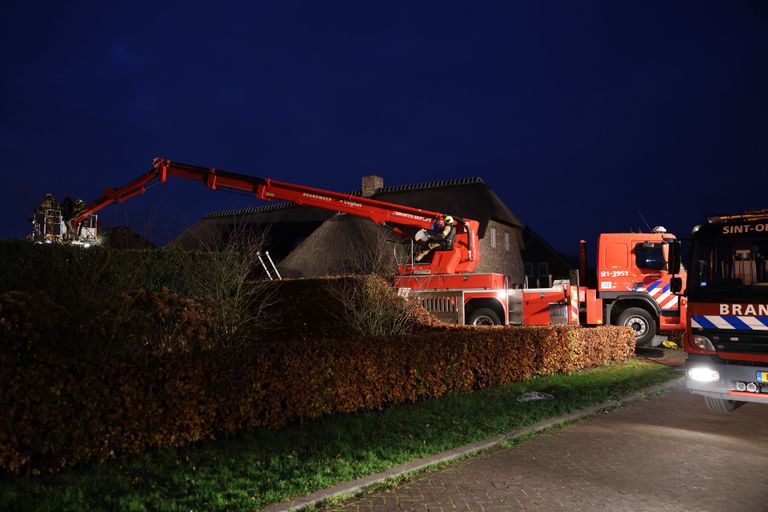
x=650, y=256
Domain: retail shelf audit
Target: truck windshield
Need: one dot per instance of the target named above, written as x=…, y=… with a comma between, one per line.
x=651, y=255
x=729, y=266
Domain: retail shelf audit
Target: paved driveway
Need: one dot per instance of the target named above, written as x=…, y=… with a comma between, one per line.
x=666, y=453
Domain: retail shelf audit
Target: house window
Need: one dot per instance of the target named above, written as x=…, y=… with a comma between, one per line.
x=529, y=269
x=506, y=241
x=493, y=238
x=543, y=269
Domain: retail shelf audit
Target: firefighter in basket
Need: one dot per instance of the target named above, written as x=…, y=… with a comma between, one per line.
x=67, y=205
x=441, y=236
x=46, y=216
x=77, y=207
x=69, y=210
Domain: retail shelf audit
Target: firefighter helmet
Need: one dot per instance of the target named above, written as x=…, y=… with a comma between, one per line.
x=448, y=219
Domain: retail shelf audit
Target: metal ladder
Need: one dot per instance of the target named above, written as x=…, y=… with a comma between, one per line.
x=266, y=269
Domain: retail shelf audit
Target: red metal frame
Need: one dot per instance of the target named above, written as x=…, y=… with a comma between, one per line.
x=462, y=258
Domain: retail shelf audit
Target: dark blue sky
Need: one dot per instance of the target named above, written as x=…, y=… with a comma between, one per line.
x=579, y=115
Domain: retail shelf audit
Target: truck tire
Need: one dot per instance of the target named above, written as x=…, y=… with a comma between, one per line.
x=641, y=322
x=721, y=405
x=483, y=316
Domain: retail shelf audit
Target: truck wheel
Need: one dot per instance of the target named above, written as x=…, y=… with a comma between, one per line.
x=483, y=316
x=641, y=322
x=721, y=405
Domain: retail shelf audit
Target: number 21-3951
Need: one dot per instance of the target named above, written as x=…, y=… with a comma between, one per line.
x=614, y=273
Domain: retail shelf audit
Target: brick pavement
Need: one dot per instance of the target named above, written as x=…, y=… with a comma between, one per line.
x=666, y=453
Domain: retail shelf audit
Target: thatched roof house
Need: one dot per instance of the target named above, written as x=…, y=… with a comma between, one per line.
x=313, y=242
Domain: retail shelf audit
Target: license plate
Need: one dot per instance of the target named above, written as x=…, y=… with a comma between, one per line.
x=762, y=376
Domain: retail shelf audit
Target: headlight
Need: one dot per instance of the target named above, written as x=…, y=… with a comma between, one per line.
x=702, y=343
x=703, y=374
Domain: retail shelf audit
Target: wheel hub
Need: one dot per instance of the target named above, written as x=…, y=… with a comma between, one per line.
x=638, y=325
x=483, y=320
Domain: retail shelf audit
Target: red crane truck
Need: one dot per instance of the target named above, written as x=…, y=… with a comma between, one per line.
x=633, y=285
x=727, y=322
x=449, y=267
x=633, y=288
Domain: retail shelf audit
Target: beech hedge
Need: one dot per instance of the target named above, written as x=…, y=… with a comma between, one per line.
x=55, y=415
x=34, y=328
x=58, y=269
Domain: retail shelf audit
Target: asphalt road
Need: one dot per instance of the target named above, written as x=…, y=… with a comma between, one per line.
x=664, y=453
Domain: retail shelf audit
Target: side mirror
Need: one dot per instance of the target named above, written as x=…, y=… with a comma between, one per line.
x=675, y=284
x=673, y=260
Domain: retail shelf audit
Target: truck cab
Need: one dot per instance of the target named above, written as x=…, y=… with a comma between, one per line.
x=633, y=283
x=727, y=331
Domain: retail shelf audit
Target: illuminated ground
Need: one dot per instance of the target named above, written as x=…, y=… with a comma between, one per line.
x=666, y=453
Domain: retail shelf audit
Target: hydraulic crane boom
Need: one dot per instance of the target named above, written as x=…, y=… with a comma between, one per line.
x=462, y=257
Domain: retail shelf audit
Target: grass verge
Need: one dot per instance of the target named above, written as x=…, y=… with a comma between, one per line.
x=263, y=466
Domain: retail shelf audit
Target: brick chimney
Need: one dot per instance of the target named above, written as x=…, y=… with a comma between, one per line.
x=371, y=184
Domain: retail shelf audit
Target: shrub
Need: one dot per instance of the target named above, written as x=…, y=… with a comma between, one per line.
x=59, y=414
x=98, y=288
x=29, y=323
x=370, y=306
x=33, y=328
x=62, y=269
x=236, y=301
x=316, y=308
x=143, y=321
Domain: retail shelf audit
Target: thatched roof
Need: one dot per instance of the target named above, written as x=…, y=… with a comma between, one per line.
x=278, y=211
x=342, y=244
x=288, y=221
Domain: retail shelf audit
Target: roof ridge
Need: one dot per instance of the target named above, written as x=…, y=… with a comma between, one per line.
x=252, y=209
x=394, y=188
x=432, y=184
x=425, y=185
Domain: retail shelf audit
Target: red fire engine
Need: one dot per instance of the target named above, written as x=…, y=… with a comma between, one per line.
x=633, y=290
x=633, y=284
x=727, y=323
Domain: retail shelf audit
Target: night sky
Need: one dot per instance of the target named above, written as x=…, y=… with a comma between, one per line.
x=582, y=116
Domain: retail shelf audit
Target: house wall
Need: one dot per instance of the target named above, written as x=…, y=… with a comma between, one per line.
x=500, y=252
